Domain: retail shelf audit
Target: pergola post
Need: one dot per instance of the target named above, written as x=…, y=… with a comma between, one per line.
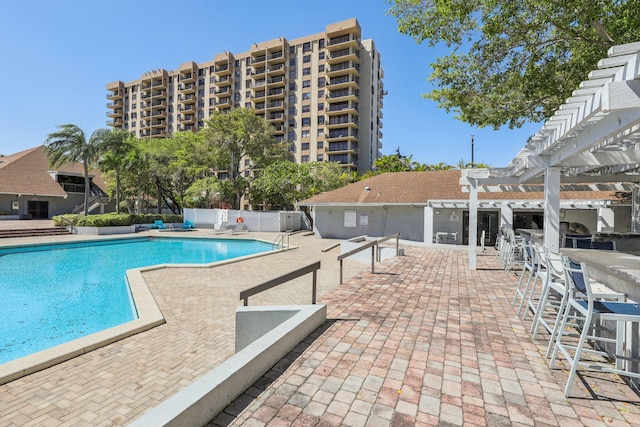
x=473, y=222
x=552, y=208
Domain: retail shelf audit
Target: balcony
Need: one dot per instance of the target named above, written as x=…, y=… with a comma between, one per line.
x=223, y=81
x=224, y=102
x=343, y=134
x=187, y=77
x=186, y=108
x=116, y=94
x=348, y=40
x=342, y=147
x=342, y=82
x=145, y=85
x=279, y=105
x=259, y=83
x=158, y=132
x=157, y=113
x=277, y=69
x=276, y=81
x=260, y=94
x=276, y=117
x=114, y=113
x=146, y=95
x=159, y=84
x=187, y=119
x=158, y=123
x=347, y=67
x=275, y=93
x=259, y=71
x=115, y=123
x=342, y=120
x=342, y=55
x=259, y=105
x=258, y=59
x=187, y=99
x=348, y=94
x=275, y=57
x=222, y=91
x=115, y=104
x=158, y=94
x=222, y=69
x=343, y=108
x=187, y=88
x=278, y=129
x=158, y=103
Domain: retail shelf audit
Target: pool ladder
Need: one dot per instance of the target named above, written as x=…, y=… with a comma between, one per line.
x=279, y=241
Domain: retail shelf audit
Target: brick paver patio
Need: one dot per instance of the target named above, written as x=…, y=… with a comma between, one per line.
x=424, y=341
x=421, y=341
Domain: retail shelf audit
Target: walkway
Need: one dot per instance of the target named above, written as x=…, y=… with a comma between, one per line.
x=424, y=341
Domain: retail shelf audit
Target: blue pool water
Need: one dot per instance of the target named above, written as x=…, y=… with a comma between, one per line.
x=51, y=294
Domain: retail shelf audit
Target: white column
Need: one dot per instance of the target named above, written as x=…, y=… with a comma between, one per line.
x=428, y=224
x=506, y=216
x=552, y=209
x=606, y=219
x=473, y=222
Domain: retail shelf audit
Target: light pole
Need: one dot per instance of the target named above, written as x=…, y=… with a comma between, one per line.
x=472, y=163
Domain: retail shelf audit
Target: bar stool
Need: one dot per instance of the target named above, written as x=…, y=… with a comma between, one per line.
x=578, y=285
x=528, y=269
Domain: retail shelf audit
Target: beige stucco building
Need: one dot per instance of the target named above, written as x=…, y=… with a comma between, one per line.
x=322, y=93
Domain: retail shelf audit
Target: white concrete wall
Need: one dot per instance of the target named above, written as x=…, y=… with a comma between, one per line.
x=269, y=221
x=329, y=221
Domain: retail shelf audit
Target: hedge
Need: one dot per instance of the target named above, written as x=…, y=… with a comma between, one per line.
x=113, y=219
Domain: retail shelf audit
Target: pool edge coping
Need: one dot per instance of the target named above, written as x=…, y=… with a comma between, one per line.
x=149, y=316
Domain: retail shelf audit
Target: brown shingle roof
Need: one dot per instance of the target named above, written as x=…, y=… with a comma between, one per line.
x=421, y=187
x=27, y=172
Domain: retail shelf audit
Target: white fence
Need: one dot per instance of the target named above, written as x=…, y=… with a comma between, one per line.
x=269, y=221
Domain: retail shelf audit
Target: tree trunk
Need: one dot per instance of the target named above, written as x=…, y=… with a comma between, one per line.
x=117, y=191
x=87, y=187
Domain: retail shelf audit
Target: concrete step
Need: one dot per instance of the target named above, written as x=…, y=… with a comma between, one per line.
x=33, y=232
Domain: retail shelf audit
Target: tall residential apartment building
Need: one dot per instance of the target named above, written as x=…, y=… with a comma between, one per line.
x=322, y=93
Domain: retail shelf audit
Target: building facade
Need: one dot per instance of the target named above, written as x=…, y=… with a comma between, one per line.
x=323, y=94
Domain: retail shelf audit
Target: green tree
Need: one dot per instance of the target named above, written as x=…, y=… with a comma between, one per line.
x=238, y=136
x=468, y=165
x=115, y=145
x=442, y=166
x=70, y=145
x=282, y=184
x=514, y=61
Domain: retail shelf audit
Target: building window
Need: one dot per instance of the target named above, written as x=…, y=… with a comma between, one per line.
x=201, y=82
x=321, y=106
x=292, y=123
x=305, y=134
x=292, y=99
x=246, y=162
x=292, y=86
x=292, y=62
x=306, y=47
x=321, y=93
x=320, y=120
x=247, y=105
x=247, y=94
x=304, y=146
x=306, y=108
x=320, y=145
x=321, y=54
x=306, y=71
x=292, y=74
x=321, y=43
x=237, y=63
x=306, y=58
x=320, y=132
x=292, y=49
x=292, y=135
x=321, y=68
x=306, y=83
x=320, y=157
x=306, y=121
x=306, y=96
x=292, y=111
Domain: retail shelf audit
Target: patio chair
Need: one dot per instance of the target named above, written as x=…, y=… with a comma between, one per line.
x=592, y=310
x=604, y=245
x=220, y=228
x=188, y=224
x=158, y=224
x=528, y=270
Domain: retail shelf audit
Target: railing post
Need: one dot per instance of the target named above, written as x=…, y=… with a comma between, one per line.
x=341, y=272
x=315, y=281
x=373, y=257
x=397, y=244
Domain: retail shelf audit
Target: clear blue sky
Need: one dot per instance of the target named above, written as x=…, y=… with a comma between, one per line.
x=57, y=57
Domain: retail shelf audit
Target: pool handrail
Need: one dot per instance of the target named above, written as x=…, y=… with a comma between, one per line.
x=311, y=268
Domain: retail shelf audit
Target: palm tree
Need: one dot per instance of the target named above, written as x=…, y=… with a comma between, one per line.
x=114, y=146
x=70, y=145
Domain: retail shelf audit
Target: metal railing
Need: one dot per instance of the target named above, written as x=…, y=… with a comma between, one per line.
x=279, y=241
x=374, y=245
x=311, y=268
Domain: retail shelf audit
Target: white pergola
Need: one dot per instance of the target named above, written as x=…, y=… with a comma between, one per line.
x=594, y=137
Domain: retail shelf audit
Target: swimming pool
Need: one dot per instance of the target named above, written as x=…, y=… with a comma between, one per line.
x=54, y=293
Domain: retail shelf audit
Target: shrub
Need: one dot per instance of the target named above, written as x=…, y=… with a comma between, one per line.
x=113, y=219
